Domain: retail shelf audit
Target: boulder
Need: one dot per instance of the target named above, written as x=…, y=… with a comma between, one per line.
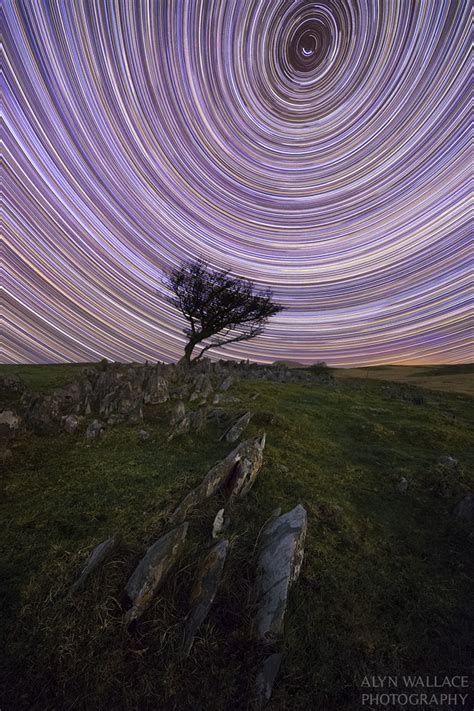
x=123, y=403
x=279, y=563
x=95, y=559
x=95, y=429
x=9, y=424
x=402, y=485
x=152, y=570
x=233, y=432
x=464, y=509
x=198, y=419
x=71, y=423
x=218, y=476
x=218, y=524
x=266, y=678
x=204, y=591
x=143, y=435
x=42, y=411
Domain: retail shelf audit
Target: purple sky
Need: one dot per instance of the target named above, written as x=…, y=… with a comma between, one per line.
x=320, y=148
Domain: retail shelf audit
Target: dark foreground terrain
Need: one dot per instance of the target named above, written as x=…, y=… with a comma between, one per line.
x=386, y=583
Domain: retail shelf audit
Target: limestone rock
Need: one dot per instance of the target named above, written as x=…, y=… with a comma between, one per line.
x=266, y=678
x=227, y=383
x=152, y=571
x=144, y=435
x=221, y=474
x=95, y=429
x=279, y=562
x=9, y=424
x=71, y=423
x=233, y=432
x=178, y=412
x=464, y=509
x=156, y=388
x=202, y=387
x=204, y=591
x=198, y=419
x=218, y=525
x=402, y=485
x=98, y=555
x=247, y=468
x=223, y=398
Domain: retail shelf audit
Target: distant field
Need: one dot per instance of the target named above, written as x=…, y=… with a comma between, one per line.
x=448, y=378
x=385, y=587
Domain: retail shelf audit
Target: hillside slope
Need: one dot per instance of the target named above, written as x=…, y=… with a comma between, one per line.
x=385, y=582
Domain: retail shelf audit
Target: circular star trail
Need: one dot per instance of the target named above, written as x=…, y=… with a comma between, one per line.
x=319, y=148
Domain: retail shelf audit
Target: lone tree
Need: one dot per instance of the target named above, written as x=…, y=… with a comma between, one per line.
x=220, y=308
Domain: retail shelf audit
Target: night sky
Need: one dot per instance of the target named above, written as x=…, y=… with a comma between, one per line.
x=319, y=148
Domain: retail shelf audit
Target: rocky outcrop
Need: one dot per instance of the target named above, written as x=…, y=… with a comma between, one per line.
x=221, y=475
x=96, y=558
x=279, y=563
x=152, y=570
x=71, y=423
x=202, y=387
x=204, y=591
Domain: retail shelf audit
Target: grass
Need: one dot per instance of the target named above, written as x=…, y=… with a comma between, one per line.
x=446, y=378
x=385, y=582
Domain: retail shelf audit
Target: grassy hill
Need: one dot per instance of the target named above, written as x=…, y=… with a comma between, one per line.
x=447, y=378
x=385, y=585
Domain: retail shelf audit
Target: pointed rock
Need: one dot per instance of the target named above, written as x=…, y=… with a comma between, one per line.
x=233, y=433
x=216, y=477
x=266, y=678
x=152, y=571
x=95, y=559
x=218, y=525
x=204, y=591
x=279, y=563
x=247, y=468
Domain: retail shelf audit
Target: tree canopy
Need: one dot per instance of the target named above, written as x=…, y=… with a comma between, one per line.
x=220, y=308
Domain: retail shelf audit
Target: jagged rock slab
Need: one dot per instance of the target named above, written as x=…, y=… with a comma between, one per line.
x=156, y=388
x=202, y=387
x=217, y=477
x=247, y=468
x=279, y=563
x=204, y=591
x=71, y=423
x=227, y=383
x=233, y=432
x=96, y=558
x=9, y=424
x=152, y=571
x=266, y=678
x=178, y=412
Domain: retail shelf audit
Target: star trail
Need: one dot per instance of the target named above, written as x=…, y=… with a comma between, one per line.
x=318, y=148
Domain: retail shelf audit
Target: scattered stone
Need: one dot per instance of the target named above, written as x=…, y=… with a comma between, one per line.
x=178, y=412
x=449, y=464
x=144, y=435
x=279, y=564
x=402, y=485
x=266, y=678
x=218, y=525
x=204, y=591
x=464, y=509
x=222, y=398
x=227, y=383
x=71, y=423
x=254, y=396
x=9, y=424
x=152, y=571
x=233, y=433
x=98, y=555
x=219, y=475
x=95, y=429
x=247, y=468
